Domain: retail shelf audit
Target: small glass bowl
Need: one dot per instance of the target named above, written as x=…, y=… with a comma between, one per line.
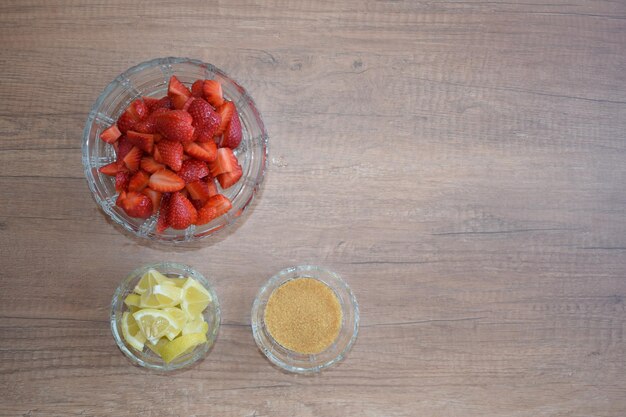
x=297, y=362
x=151, y=79
x=147, y=358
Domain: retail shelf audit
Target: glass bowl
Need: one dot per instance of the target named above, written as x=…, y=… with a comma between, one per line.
x=150, y=79
x=147, y=358
x=303, y=363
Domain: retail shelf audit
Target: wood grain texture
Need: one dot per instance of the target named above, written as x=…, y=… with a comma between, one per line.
x=462, y=164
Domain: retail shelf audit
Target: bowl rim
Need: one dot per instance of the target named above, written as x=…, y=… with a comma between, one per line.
x=307, y=271
x=116, y=300
x=185, y=236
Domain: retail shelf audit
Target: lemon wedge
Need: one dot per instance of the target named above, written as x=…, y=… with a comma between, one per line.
x=156, y=347
x=155, y=324
x=131, y=332
x=194, y=298
x=179, y=282
x=160, y=296
x=197, y=325
x=179, y=317
x=177, y=347
x=149, y=280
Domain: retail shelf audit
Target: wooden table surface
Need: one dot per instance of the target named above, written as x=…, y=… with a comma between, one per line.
x=461, y=164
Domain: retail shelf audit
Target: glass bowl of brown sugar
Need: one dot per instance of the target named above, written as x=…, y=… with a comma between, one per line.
x=305, y=319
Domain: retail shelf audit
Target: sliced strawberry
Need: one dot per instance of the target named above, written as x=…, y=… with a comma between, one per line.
x=135, y=112
x=204, y=118
x=184, y=193
x=212, y=187
x=226, y=112
x=138, y=181
x=155, y=197
x=149, y=124
x=196, y=88
x=133, y=159
x=143, y=141
x=204, y=151
x=109, y=169
x=198, y=190
x=110, y=134
x=126, y=122
x=197, y=204
x=170, y=153
x=152, y=103
x=228, y=179
x=123, y=147
x=137, y=205
x=120, y=199
x=226, y=161
x=162, y=225
x=188, y=103
x=148, y=164
x=232, y=135
x=213, y=92
x=175, y=125
x=180, y=213
x=122, y=178
x=214, y=208
x=166, y=181
x=177, y=92
x=192, y=170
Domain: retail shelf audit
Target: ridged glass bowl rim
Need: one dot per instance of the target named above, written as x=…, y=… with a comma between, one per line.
x=117, y=302
x=308, y=271
x=108, y=90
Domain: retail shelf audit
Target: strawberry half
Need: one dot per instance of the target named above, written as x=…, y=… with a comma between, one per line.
x=110, y=169
x=135, y=112
x=162, y=225
x=133, y=159
x=143, y=141
x=137, y=205
x=111, y=134
x=198, y=190
x=148, y=164
x=215, y=207
x=205, y=119
x=213, y=92
x=206, y=151
x=210, y=183
x=166, y=181
x=122, y=178
x=196, y=88
x=175, y=125
x=192, y=170
x=232, y=135
x=170, y=153
x=177, y=92
x=228, y=179
x=226, y=161
x=180, y=213
x=155, y=197
x=138, y=181
x=226, y=112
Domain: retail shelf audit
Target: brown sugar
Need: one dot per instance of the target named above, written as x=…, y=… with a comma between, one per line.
x=304, y=315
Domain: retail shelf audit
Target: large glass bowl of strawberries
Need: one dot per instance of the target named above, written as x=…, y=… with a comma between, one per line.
x=174, y=150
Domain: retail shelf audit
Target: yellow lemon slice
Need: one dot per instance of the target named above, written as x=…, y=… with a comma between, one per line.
x=179, y=282
x=194, y=298
x=198, y=325
x=156, y=347
x=131, y=332
x=179, y=317
x=180, y=345
x=160, y=296
x=149, y=280
x=154, y=323
x=132, y=300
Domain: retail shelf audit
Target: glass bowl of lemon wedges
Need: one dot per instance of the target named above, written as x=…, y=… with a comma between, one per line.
x=165, y=316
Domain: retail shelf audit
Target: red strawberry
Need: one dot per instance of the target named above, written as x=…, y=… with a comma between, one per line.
x=214, y=208
x=232, y=134
x=192, y=170
x=229, y=179
x=213, y=92
x=138, y=181
x=175, y=125
x=122, y=178
x=152, y=103
x=123, y=147
x=137, y=205
x=188, y=103
x=198, y=191
x=148, y=164
x=212, y=187
x=204, y=151
x=120, y=198
x=143, y=141
x=197, y=204
x=162, y=225
x=177, y=92
x=134, y=113
x=133, y=158
x=166, y=181
x=204, y=117
x=109, y=169
x=148, y=125
x=111, y=134
x=226, y=161
x=180, y=213
x=154, y=196
x=196, y=88
x=226, y=112
x=170, y=153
